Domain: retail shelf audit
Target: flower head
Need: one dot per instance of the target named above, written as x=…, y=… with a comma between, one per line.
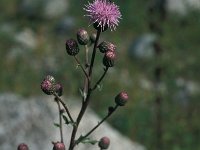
x=22, y=146
x=59, y=89
x=83, y=37
x=106, y=46
x=109, y=58
x=104, y=142
x=121, y=99
x=58, y=146
x=48, y=85
x=103, y=13
x=72, y=47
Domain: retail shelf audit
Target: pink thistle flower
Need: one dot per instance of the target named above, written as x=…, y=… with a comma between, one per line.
x=103, y=13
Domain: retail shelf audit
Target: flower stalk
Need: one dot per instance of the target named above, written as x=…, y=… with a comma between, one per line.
x=65, y=106
x=60, y=120
x=95, y=127
x=100, y=79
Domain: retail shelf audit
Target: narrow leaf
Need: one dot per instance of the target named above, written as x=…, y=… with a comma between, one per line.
x=100, y=87
x=65, y=119
x=56, y=124
x=88, y=140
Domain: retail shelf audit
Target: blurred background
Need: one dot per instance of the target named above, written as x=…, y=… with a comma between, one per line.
x=158, y=63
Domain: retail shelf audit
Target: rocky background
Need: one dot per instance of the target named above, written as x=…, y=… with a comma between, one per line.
x=32, y=121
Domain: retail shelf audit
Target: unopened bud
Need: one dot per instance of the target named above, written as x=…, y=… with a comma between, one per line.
x=48, y=85
x=82, y=37
x=22, y=146
x=93, y=37
x=58, y=146
x=59, y=89
x=106, y=46
x=109, y=58
x=104, y=142
x=121, y=98
x=72, y=47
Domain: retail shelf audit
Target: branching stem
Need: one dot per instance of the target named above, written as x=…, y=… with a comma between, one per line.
x=100, y=79
x=94, y=128
x=78, y=62
x=65, y=106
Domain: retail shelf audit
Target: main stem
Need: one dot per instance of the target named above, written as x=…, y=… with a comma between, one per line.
x=86, y=102
x=94, y=53
x=85, y=88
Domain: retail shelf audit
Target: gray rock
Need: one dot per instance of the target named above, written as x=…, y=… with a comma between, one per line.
x=37, y=9
x=182, y=7
x=65, y=25
x=192, y=87
x=55, y=8
x=26, y=38
x=31, y=121
x=142, y=48
x=31, y=8
x=186, y=89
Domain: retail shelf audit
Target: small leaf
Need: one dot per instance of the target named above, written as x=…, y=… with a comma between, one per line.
x=65, y=119
x=83, y=94
x=77, y=66
x=72, y=123
x=88, y=140
x=79, y=139
x=100, y=87
x=93, y=142
x=56, y=124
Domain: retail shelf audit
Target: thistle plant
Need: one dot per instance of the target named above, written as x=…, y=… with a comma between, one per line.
x=103, y=14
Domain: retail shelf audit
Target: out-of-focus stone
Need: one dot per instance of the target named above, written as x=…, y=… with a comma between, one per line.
x=182, y=7
x=31, y=121
x=65, y=25
x=26, y=38
x=55, y=8
x=142, y=47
